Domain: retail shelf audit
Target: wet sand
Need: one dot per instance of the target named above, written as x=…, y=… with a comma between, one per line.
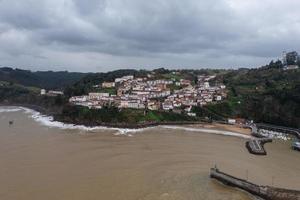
x=227, y=127
x=38, y=162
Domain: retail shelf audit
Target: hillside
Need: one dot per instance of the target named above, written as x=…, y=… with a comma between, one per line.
x=85, y=85
x=267, y=94
x=40, y=79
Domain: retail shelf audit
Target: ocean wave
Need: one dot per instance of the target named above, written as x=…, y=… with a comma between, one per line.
x=206, y=130
x=8, y=110
x=50, y=122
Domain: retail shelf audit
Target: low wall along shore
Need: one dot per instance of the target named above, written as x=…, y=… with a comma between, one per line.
x=265, y=192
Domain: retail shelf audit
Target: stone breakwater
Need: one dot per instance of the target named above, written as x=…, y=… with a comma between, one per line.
x=256, y=146
x=265, y=192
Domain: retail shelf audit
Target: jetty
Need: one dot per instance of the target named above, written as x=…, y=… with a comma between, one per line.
x=256, y=146
x=264, y=192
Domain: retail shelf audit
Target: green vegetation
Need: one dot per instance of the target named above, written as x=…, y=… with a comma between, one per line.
x=267, y=94
x=173, y=76
x=85, y=85
x=46, y=79
x=174, y=87
x=15, y=94
x=111, y=91
x=83, y=115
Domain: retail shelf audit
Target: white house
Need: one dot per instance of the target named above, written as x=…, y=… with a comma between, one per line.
x=43, y=91
x=108, y=84
x=231, y=121
x=98, y=95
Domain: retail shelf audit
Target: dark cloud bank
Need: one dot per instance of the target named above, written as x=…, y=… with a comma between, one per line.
x=102, y=35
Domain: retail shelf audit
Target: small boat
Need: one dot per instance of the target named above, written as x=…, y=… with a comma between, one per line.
x=296, y=146
x=11, y=122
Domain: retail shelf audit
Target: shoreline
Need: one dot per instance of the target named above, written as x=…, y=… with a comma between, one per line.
x=216, y=128
x=122, y=125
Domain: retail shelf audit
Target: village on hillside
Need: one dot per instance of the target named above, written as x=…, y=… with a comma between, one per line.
x=154, y=94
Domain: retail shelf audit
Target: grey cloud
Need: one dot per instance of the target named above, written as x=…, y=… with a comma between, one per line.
x=143, y=33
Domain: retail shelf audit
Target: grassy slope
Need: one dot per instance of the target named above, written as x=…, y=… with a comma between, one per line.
x=266, y=94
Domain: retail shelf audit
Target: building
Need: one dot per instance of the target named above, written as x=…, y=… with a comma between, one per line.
x=135, y=104
x=218, y=98
x=124, y=78
x=78, y=99
x=55, y=93
x=290, y=60
x=206, y=85
x=167, y=105
x=185, y=82
x=141, y=93
x=192, y=114
x=121, y=91
x=291, y=67
x=108, y=84
x=97, y=95
x=231, y=121
x=153, y=105
x=43, y=92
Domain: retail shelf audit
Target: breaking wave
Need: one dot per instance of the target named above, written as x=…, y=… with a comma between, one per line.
x=8, y=110
x=50, y=122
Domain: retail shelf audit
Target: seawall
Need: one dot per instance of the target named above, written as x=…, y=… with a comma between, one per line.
x=265, y=192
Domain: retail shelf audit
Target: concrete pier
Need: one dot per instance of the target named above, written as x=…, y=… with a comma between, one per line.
x=265, y=192
x=256, y=146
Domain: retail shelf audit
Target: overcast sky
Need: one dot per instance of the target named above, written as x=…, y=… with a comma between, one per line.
x=103, y=35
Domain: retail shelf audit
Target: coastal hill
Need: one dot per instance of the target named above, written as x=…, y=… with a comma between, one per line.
x=41, y=79
x=86, y=84
x=267, y=94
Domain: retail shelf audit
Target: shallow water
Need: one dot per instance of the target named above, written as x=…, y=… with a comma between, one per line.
x=39, y=162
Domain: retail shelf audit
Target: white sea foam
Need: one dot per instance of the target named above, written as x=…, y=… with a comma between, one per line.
x=274, y=134
x=9, y=109
x=205, y=130
x=50, y=122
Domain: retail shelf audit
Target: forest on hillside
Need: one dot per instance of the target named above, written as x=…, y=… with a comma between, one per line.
x=267, y=94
